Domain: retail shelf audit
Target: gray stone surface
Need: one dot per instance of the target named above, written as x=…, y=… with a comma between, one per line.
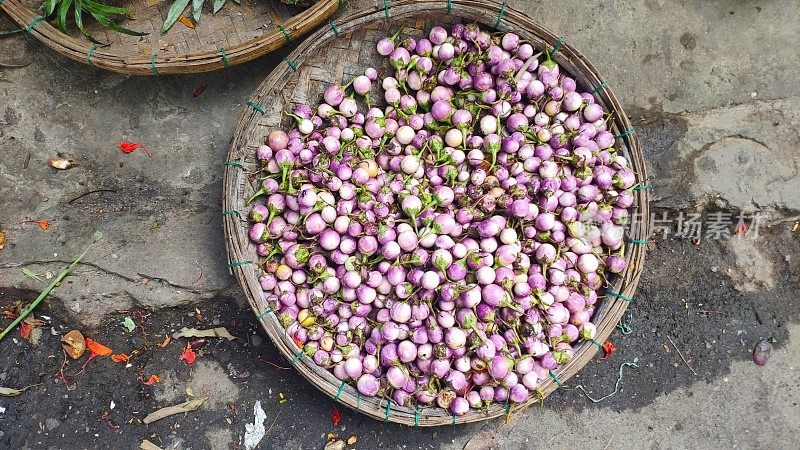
x=713, y=90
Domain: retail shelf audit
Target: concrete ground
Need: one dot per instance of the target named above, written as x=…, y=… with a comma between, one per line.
x=714, y=92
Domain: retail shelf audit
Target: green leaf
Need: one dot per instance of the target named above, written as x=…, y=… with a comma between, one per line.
x=174, y=13
x=128, y=324
x=90, y=5
x=197, y=9
x=79, y=24
x=62, y=15
x=218, y=4
x=49, y=7
x=109, y=24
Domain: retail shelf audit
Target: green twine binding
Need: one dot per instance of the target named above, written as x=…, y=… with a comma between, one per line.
x=229, y=212
x=297, y=356
x=33, y=23
x=153, y=65
x=89, y=55
x=500, y=15
x=264, y=314
x=599, y=346
x=641, y=187
x=449, y=6
x=224, y=57
x=416, y=416
x=285, y=33
x=291, y=63
x=599, y=87
x=624, y=328
x=341, y=3
x=557, y=46
x=618, y=295
x=627, y=132
x=239, y=264
x=386, y=9
x=508, y=408
x=358, y=401
x=555, y=378
x=636, y=241
x=334, y=27
x=388, y=409
x=454, y=419
x=256, y=106
x=339, y=392
x=234, y=164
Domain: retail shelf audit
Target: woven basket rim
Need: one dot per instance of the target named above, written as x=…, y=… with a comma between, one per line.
x=493, y=15
x=84, y=51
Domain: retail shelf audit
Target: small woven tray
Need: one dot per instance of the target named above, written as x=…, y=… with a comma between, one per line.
x=235, y=34
x=336, y=54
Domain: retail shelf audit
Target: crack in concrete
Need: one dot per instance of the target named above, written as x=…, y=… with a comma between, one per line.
x=123, y=276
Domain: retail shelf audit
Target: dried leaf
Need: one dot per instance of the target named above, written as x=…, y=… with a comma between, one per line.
x=186, y=21
x=150, y=381
x=122, y=357
x=166, y=342
x=130, y=147
x=220, y=332
x=3, y=240
x=147, y=445
x=352, y=440
x=97, y=348
x=60, y=163
x=43, y=224
x=10, y=392
x=336, y=416
x=184, y=407
x=74, y=344
x=25, y=330
x=188, y=355
x=127, y=322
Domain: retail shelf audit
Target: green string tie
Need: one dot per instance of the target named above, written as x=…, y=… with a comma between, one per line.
x=618, y=295
x=264, y=314
x=234, y=164
x=285, y=33
x=33, y=24
x=624, y=328
x=339, y=392
x=557, y=46
x=239, y=264
x=224, y=57
x=641, y=187
x=153, y=65
x=416, y=416
x=386, y=9
x=89, y=55
x=449, y=6
x=636, y=241
x=555, y=378
x=291, y=63
x=627, y=132
x=334, y=27
x=256, y=107
x=454, y=419
x=297, y=356
x=388, y=409
x=599, y=87
x=599, y=346
x=508, y=408
x=500, y=15
x=230, y=212
x=358, y=401
x=341, y=3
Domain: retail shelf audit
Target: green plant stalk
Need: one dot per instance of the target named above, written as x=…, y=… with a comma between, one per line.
x=44, y=294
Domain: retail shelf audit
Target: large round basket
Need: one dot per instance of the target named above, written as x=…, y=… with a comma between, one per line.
x=333, y=55
x=235, y=34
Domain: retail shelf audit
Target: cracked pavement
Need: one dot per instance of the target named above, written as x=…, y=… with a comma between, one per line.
x=714, y=97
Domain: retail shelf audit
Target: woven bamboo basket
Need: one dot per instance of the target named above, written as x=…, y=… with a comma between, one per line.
x=235, y=34
x=343, y=51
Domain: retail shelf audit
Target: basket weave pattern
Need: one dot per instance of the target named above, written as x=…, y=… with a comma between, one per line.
x=235, y=34
x=334, y=56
